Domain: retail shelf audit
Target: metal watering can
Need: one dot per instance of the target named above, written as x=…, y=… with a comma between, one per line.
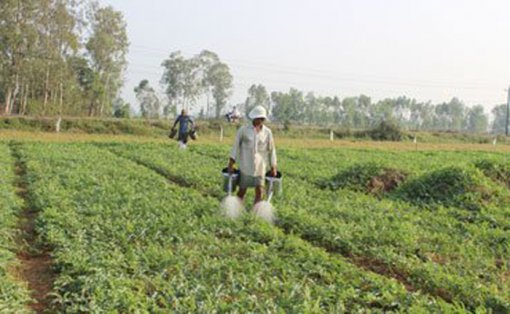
x=230, y=182
x=274, y=185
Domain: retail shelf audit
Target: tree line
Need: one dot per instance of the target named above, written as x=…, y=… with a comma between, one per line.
x=68, y=57
x=204, y=76
x=361, y=112
x=61, y=57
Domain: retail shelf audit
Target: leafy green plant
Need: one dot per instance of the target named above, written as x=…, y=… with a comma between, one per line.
x=136, y=227
x=497, y=170
x=367, y=177
x=127, y=240
x=429, y=248
x=13, y=293
x=452, y=186
x=383, y=131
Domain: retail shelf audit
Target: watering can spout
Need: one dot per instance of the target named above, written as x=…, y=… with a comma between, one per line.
x=229, y=185
x=270, y=191
x=274, y=184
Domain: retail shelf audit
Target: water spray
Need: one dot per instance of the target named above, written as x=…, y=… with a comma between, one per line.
x=232, y=206
x=264, y=209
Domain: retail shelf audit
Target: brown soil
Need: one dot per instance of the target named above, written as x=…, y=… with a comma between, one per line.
x=35, y=269
x=386, y=182
x=35, y=263
x=381, y=268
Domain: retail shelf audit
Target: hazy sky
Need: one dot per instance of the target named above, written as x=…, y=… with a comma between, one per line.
x=428, y=50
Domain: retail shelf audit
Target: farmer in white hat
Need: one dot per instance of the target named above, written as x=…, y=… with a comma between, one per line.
x=255, y=152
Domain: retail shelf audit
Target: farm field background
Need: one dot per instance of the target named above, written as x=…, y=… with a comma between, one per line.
x=134, y=225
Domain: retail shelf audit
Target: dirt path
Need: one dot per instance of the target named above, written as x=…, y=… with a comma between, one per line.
x=35, y=263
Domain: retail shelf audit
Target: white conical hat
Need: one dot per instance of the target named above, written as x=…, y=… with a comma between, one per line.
x=258, y=112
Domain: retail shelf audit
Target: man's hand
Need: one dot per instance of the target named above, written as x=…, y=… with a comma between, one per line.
x=230, y=166
x=274, y=171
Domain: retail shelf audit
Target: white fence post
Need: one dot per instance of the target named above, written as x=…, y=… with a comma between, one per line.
x=57, y=125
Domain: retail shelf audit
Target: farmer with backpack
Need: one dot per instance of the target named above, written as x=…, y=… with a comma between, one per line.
x=254, y=150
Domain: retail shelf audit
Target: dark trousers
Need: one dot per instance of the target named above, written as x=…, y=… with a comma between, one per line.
x=183, y=137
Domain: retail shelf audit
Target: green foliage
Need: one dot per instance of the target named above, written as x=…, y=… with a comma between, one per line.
x=368, y=177
x=452, y=186
x=148, y=100
x=257, y=96
x=429, y=248
x=160, y=127
x=359, y=113
x=386, y=131
x=42, y=65
x=90, y=126
x=107, y=46
x=288, y=106
x=342, y=133
x=500, y=118
x=478, y=121
x=497, y=170
x=186, y=79
x=287, y=125
x=122, y=111
x=394, y=238
x=135, y=227
x=128, y=241
x=13, y=295
x=221, y=85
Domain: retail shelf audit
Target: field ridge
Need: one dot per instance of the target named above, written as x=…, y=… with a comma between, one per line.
x=175, y=179
x=35, y=262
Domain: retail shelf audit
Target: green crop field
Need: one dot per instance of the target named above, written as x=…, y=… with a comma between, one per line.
x=134, y=227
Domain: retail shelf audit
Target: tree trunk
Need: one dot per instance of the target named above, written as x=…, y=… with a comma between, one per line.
x=106, y=96
x=53, y=94
x=61, y=101
x=8, y=101
x=46, y=88
x=91, y=109
x=17, y=108
x=207, y=110
x=14, y=95
x=25, y=100
x=218, y=106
